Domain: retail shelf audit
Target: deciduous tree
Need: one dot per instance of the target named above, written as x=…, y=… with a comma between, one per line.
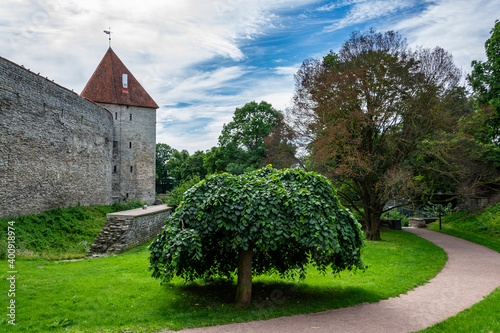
x=364, y=112
x=242, y=139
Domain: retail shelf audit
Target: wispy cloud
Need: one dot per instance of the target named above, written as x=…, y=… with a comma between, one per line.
x=459, y=26
x=365, y=11
x=201, y=59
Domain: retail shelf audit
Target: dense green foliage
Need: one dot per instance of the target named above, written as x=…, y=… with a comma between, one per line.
x=243, y=137
x=173, y=167
x=116, y=294
x=163, y=179
x=60, y=233
x=182, y=166
x=289, y=218
x=256, y=136
x=485, y=81
x=458, y=164
x=176, y=196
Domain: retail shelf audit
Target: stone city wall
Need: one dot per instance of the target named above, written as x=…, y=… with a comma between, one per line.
x=124, y=230
x=55, y=146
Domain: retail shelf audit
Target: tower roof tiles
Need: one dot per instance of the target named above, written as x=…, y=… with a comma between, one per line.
x=109, y=85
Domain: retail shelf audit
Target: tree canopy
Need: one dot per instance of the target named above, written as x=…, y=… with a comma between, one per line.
x=265, y=221
x=485, y=81
x=163, y=179
x=364, y=111
x=241, y=142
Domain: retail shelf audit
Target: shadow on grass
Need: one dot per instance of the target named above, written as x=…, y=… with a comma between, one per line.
x=289, y=297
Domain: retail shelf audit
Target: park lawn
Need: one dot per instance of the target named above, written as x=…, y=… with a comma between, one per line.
x=117, y=294
x=483, y=228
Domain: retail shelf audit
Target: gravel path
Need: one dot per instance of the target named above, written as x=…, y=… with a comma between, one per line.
x=471, y=272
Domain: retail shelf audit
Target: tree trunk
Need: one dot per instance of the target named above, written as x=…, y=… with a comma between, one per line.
x=244, y=285
x=372, y=217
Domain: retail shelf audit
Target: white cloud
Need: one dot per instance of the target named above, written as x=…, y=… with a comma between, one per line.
x=165, y=44
x=459, y=26
x=364, y=11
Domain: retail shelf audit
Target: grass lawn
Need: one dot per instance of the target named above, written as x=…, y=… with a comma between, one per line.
x=482, y=228
x=117, y=294
x=60, y=233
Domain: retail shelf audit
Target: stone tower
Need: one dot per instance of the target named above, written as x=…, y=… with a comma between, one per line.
x=134, y=128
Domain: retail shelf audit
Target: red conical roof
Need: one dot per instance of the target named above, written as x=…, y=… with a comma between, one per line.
x=106, y=85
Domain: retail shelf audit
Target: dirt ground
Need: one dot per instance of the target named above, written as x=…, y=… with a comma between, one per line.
x=471, y=272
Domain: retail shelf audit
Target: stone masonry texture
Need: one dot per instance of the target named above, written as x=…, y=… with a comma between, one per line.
x=134, y=150
x=124, y=230
x=55, y=146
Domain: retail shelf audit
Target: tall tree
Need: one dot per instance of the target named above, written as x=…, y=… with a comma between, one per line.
x=364, y=112
x=265, y=221
x=485, y=81
x=163, y=154
x=177, y=165
x=183, y=166
x=242, y=139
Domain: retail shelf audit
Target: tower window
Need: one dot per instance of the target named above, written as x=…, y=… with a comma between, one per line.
x=131, y=117
x=116, y=115
x=125, y=83
x=114, y=169
x=131, y=169
x=130, y=144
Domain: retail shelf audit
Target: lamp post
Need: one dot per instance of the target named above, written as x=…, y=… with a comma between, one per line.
x=440, y=219
x=440, y=208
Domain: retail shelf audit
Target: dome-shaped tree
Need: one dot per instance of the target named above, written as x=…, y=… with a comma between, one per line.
x=261, y=222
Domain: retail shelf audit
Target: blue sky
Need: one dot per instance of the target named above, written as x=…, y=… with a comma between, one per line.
x=200, y=59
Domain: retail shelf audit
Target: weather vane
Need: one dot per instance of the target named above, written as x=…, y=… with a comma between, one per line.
x=108, y=32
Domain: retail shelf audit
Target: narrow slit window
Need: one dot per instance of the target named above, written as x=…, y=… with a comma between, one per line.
x=130, y=144
x=131, y=117
x=114, y=169
x=125, y=83
x=116, y=115
x=131, y=169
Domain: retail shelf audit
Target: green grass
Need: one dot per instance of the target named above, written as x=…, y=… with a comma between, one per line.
x=482, y=228
x=117, y=294
x=61, y=233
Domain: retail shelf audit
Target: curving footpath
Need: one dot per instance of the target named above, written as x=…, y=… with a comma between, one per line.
x=471, y=272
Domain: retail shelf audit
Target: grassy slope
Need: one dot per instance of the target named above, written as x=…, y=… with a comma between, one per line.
x=482, y=228
x=114, y=294
x=61, y=233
